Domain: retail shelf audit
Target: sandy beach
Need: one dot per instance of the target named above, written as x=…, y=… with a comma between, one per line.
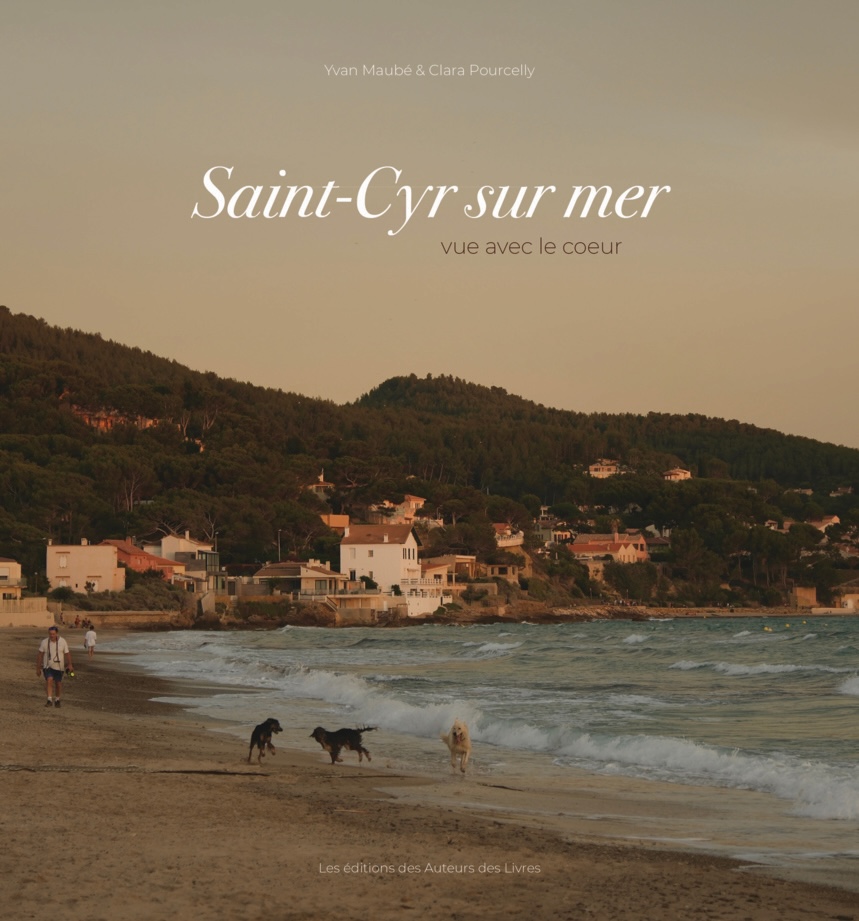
x=118, y=806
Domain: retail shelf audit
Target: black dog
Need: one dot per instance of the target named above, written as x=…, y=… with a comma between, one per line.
x=261, y=738
x=349, y=739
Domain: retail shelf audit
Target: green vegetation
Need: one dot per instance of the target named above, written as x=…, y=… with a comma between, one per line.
x=144, y=592
x=102, y=441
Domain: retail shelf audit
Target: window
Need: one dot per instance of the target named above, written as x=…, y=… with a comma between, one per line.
x=351, y=553
x=63, y=560
x=369, y=553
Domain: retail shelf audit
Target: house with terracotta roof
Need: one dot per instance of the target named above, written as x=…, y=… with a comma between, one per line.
x=595, y=550
x=658, y=544
x=404, y=512
x=631, y=538
x=133, y=557
x=675, y=474
x=337, y=523
x=826, y=522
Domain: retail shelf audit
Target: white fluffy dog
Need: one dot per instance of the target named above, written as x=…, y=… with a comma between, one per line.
x=459, y=743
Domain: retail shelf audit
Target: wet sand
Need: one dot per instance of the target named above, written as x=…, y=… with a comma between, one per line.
x=118, y=806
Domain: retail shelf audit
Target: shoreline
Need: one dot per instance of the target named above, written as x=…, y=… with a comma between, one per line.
x=161, y=621
x=158, y=812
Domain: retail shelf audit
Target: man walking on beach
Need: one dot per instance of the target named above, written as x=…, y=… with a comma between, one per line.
x=52, y=658
x=89, y=641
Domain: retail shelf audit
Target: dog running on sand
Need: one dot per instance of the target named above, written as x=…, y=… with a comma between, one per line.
x=261, y=738
x=349, y=739
x=459, y=743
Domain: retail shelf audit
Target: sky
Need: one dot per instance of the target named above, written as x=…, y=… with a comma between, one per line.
x=734, y=297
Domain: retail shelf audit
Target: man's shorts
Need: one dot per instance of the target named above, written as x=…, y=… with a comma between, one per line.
x=54, y=673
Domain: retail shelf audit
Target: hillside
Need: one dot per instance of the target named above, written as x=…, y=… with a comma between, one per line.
x=104, y=440
x=713, y=447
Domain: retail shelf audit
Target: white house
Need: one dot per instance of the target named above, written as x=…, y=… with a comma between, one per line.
x=507, y=536
x=385, y=553
x=604, y=468
x=201, y=561
x=174, y=547
x=388, y=554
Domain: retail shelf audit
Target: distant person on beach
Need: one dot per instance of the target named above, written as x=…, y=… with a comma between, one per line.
x=89, y=641
x=52, y=659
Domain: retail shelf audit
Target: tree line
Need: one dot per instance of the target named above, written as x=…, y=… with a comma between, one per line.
x=231, y=461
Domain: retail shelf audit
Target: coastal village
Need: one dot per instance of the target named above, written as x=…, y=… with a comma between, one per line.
x=134, y=485
x=383, y=574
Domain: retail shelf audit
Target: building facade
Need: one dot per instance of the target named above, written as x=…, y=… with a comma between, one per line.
x=84, y=567
x=386, y=554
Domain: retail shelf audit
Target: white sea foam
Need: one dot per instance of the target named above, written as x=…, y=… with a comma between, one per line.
x=517, y=735
x=737, y=669
x=366, y=704
x=491, y=650
x=732, y=668
x=816, y=790
x=549, y=692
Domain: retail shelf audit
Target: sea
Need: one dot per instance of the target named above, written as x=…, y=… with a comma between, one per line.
x=757, y=718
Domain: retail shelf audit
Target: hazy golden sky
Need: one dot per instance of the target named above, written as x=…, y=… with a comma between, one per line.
x=735, y=297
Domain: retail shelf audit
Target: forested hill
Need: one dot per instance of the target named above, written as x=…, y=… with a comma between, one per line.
x=482, y=436
x=711, y=447
x=100, y=440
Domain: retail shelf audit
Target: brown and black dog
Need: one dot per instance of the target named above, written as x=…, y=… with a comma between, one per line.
x=349, y=739
x=261, y=738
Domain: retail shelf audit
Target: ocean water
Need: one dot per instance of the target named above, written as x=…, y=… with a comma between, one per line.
x=755, y=708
